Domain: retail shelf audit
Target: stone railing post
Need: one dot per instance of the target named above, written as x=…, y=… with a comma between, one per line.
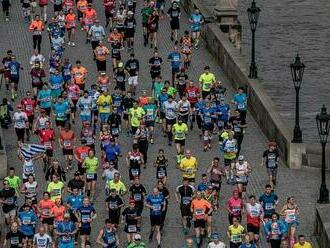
x=227, y=16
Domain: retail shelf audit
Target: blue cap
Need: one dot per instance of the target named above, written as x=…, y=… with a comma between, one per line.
x=215, y=236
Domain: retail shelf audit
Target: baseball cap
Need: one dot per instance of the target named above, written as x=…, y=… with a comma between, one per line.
x=240, y=157
x=137, y=237
x=215, y=236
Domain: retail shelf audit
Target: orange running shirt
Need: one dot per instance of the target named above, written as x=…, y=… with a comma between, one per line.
x=79, y=74
x=199, y=207
x=46, y=207
x=67, y=139
x=82, y=5
x=70, y=21
x=101, y=52
x=58, y=212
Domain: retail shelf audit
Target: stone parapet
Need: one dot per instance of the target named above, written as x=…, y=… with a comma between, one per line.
x=322, y=225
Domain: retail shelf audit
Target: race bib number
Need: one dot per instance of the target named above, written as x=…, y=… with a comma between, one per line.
x=186, y=200
x=90, y=175
x=131, y=228
x=137, y=197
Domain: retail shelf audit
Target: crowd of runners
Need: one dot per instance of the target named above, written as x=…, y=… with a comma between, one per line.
x=75, y=126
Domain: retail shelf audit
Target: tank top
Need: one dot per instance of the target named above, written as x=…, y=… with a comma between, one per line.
x=109, y=237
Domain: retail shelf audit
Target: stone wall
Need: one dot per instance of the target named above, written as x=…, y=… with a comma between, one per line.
x=322, y=225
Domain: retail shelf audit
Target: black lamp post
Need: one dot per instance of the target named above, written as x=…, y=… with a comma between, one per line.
x=323, y=126
x=253, y=14
x=297, y=71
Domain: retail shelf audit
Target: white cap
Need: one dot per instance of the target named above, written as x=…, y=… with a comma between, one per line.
x=240, y=157
x=137, y=236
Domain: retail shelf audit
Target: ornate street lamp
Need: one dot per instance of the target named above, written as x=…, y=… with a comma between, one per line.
x=253, y=14
x=323, y=126
x=297, y=71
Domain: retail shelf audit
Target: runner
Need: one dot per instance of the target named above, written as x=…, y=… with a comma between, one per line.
x=200, y=209
x=188, y=167
x=27, y=220
x=269, y=201
x=146, y=12
x=208, y=114
x=104, y=103
x=13, y=180
x=186, y=43
x=45, y=205
x=229, y=147
x=47, y=137
x=132, y=66
x=132, y=218
x=70, y=25
x=42, y=239
x=14, y=72
x=235, y=207
x=235, y=233
x=155, y=63
x=138, y=192
x=196, y=20
x=109, y=10
x=215, y=242
x=290, y=212
x=216, y=172
x=130, y=24
x=254, y=216
x=73, y=92
x=206, y=80
x=79, y=74
x=275, y=230
x=90, y=164
x=5, y=70
x=8, y=198
x=150, y=117
x=20, y=123
x=153, y=25
x=85, y=215
x=66, y=231
x=156, y=202
x=184, y=195
x=37, y=77
x=170, y=108
x=36, y=27
x=89, y=18
x=30, y=189
x=66, y=141
x=134, y=160
x=180, y=130
x=240, y=101
x=174, y=14
x=114, y=203
x=107, y=236
x=161, y=164
x=117, y=184
x=14, y=236
x=242, y=170
x=55, y=188
x=101, y=52
x=135, y=115
x=270, y=159
x=175, y=59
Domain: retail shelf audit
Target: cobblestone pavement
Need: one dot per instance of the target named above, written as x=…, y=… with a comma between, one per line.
x=303, y=183
x=286, y=26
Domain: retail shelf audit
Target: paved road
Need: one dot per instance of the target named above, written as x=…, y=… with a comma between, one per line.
x=303, y=184
x=285, y=26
